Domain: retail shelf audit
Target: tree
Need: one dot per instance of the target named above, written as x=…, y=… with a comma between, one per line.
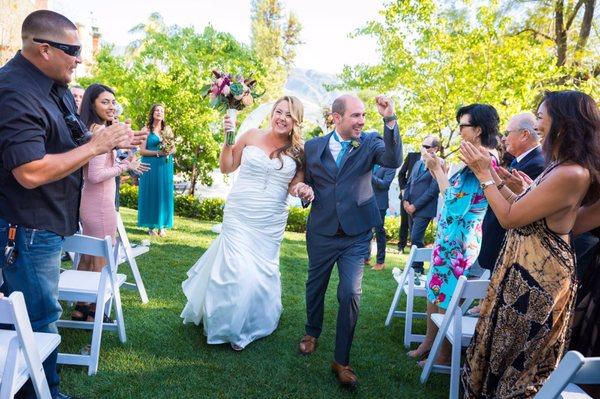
x=170, y=64
x=274, y=40
x=437, y=57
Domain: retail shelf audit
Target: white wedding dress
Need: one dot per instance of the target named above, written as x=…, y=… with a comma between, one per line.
x=234, y=289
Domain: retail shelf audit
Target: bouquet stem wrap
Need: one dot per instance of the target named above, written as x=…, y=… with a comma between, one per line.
x=230, y=134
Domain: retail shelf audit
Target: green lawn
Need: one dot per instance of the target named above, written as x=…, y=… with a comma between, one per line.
x=162, y=358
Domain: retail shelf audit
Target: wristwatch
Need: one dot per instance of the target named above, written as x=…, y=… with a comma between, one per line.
x=390, y=118
x=487, y=183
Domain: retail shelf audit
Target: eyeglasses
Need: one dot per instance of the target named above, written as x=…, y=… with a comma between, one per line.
x=461, y=125
x=507, y=132
x=70, y=49
x=426, y=146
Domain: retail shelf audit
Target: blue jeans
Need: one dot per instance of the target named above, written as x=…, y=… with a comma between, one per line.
x=417, y=237
x=35, y=273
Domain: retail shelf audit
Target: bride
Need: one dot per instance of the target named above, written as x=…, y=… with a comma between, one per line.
x=234, y=289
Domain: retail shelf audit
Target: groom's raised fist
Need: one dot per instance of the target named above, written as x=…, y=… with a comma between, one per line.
x=385, y=105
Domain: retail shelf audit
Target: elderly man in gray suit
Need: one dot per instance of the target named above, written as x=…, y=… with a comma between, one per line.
x=343, y=212
x=421, y=198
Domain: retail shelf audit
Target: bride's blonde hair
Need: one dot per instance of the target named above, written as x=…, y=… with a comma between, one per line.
x=295, y=148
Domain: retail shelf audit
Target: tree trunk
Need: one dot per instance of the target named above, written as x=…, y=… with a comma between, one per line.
x=560, y=33
x=193, y=180
x=586, y=25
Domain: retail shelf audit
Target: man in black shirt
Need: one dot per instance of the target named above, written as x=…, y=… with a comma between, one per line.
x=42, y=150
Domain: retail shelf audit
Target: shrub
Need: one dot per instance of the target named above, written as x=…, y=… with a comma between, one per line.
x=211, y=209
x=128, y=196
x=297, y=219
x=185, y=205
x=392, y=230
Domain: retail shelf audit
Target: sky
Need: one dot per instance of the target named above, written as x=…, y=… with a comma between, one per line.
x=326, y=24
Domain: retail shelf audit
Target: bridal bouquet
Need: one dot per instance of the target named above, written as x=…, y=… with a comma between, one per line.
x=230, y=93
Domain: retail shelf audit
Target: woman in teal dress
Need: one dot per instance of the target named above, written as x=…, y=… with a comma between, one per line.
x=155, y=197
x=458, y=237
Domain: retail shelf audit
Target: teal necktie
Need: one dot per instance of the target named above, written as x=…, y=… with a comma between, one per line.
x=343, y=152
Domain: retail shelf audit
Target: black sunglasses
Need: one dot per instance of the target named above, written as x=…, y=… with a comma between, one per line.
x=426, y=146
x=69, y=49
x=461, y=125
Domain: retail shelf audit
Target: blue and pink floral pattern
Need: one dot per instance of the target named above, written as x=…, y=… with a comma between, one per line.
x=458, y=237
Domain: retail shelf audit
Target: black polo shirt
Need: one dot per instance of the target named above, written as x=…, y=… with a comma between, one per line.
x=31, y=126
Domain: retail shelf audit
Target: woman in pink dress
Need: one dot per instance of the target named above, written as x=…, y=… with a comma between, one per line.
x=97, y=210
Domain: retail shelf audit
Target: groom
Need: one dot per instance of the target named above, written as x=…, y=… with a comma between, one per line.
x=343, y=212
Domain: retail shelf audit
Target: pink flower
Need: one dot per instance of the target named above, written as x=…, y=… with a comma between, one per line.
x=435, y=283
x=437, y=259
x=225, y=90
x=478, y=198
x=459, y=265
x=212, y=96
x=440, y=298
x=247, y=100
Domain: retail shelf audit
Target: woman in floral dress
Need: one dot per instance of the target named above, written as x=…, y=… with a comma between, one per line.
x=458, y=236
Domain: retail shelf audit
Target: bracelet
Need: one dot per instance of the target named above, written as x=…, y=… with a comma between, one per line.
x=501, y=185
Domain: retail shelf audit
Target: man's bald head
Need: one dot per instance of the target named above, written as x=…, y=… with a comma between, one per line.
x=45, y=24
x=340, y=104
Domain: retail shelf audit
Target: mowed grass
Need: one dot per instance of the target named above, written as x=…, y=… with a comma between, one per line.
x=163, y=358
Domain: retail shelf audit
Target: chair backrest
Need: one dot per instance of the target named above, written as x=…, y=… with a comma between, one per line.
x=573, y=368
x=13, y=311
x=419, y=255
x=86, y=245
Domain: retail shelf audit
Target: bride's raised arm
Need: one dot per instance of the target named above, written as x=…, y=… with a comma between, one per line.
x=231, y=155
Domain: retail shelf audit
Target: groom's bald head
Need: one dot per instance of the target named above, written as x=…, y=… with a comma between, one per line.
x=340, y=104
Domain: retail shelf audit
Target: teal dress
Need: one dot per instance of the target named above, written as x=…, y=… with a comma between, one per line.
x=458, y=238
x=155, y=198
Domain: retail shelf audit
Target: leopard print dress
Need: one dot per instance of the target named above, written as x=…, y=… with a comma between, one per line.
x=525, y=319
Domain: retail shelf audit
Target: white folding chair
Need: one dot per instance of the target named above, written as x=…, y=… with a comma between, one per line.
x=127, y=253
x=573, y=369
x=22, y=351
x=100, y=288
x=455, y=327
x=406, y=283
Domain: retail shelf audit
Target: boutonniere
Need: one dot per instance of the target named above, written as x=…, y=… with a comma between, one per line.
x=355, y=143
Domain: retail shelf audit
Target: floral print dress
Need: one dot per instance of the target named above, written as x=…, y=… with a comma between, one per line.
x=458, y=238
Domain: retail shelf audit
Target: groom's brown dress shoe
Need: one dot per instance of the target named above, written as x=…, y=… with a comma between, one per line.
x=345, y=375
x=378, y=266
x=308, y=344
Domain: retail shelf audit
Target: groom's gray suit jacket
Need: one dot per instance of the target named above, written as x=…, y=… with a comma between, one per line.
x=344, y=196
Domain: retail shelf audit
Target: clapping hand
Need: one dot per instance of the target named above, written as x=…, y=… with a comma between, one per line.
x=385, y=105
x=138, y=137
x=138, y=166
x=516, y=180
x=477, y=159
x=432, y=162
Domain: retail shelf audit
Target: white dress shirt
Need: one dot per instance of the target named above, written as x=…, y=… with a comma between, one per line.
x=335, y=146
x=523, y=155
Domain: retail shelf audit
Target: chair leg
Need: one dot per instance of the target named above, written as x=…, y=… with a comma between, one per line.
x=96, y=340
x=408, y=338
x=119, y=315
x=394, y=305
x=455, y=368
x=435, y=348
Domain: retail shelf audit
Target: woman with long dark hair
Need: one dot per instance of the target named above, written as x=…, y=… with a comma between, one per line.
x=155, y=196
x=97, y=211
x=525, y=319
